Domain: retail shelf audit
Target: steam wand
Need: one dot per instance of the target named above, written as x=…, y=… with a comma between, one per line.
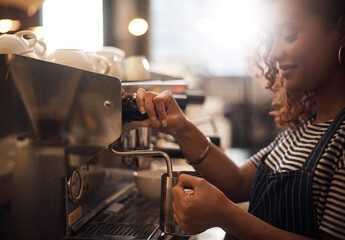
x=130, y=113
x=144, y=153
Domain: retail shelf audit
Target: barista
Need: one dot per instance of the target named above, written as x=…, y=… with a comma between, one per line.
x=296, y=185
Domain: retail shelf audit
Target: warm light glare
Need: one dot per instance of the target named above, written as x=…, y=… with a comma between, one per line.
x=138, y=26
x=214, y=36
x=204, y=25
x=235, y=21
x=7, y=25
x=64, y=27
x=39, y=31
x=15, y=25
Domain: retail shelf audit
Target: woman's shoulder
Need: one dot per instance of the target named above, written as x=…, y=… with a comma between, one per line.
x=335, y=151
x=341, y=130
x=339, y=140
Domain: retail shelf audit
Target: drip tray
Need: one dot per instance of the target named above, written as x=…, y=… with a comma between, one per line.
x=131, y=216
x=120, y=231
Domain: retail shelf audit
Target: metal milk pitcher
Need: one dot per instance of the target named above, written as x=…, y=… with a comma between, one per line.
x=167, y=223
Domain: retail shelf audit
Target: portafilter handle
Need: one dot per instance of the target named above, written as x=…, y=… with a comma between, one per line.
x=130, y=111
x=144, y=153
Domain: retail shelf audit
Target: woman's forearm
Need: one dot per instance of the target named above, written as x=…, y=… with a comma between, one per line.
x=216, y=165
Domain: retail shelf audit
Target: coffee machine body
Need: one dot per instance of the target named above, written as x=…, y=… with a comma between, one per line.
x=62, y=181
x=55, y=119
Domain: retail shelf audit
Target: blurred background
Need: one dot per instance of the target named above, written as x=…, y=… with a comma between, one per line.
x=207, y=42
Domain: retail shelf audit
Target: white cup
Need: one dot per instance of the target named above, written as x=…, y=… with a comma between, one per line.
x=72, y=57
x=115, y=57
x=137, y=68
x=101, y=63
x=18, y=44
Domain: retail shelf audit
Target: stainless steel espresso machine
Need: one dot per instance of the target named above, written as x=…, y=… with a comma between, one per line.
x=59, y=129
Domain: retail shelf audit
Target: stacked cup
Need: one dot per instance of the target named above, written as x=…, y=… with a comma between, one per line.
x=115, y=57
x=77, y=58
x=133, y=68
x=22, y=43
x=137, y=68
x=108, y=60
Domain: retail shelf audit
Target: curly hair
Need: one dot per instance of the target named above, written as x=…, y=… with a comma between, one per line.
x=291, y=109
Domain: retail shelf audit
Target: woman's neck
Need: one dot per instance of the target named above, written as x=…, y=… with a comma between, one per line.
x=330, y=99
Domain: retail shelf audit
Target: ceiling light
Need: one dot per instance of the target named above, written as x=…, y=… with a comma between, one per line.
x=5, y=25
x=138, y=26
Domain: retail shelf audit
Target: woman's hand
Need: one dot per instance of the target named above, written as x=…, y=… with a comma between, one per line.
x=201, y=210
x=164, y=113
x=125, y=95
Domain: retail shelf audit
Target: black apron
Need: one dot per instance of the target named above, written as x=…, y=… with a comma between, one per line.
x=285, y=199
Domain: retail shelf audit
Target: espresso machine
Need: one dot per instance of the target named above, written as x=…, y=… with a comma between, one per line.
x=68, y=136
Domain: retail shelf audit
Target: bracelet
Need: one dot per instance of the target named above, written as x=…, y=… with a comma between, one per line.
x=203, y=155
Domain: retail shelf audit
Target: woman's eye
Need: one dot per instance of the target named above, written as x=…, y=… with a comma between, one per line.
x=290, y=38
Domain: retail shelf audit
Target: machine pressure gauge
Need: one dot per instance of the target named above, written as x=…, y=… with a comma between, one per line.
x=75, y=186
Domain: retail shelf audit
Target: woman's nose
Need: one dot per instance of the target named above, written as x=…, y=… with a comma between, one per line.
x=277, y=53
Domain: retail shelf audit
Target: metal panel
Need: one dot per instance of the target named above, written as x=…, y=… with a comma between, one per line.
x=95, y=114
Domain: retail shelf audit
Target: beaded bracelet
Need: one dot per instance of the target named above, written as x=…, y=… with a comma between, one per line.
x=203, y=155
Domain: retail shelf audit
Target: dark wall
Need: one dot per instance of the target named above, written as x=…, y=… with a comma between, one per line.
x=7, y=12
x=117, y=15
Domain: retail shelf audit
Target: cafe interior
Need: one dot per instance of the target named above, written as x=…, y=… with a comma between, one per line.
x=75, y=162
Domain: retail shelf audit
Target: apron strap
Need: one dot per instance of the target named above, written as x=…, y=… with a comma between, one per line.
x=315, y=156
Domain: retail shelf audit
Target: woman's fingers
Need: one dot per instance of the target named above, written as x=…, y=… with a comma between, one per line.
x=177, y=216
x=150, y=107
x=175, y=209
x=185, y=181
x=177, y=220
x=160, y=109
x=188, y=181
x=201, y=210
x=162, y=103
x=155, y=105
x=140, y=99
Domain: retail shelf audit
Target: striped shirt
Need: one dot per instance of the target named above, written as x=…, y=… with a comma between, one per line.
x=288, y=152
